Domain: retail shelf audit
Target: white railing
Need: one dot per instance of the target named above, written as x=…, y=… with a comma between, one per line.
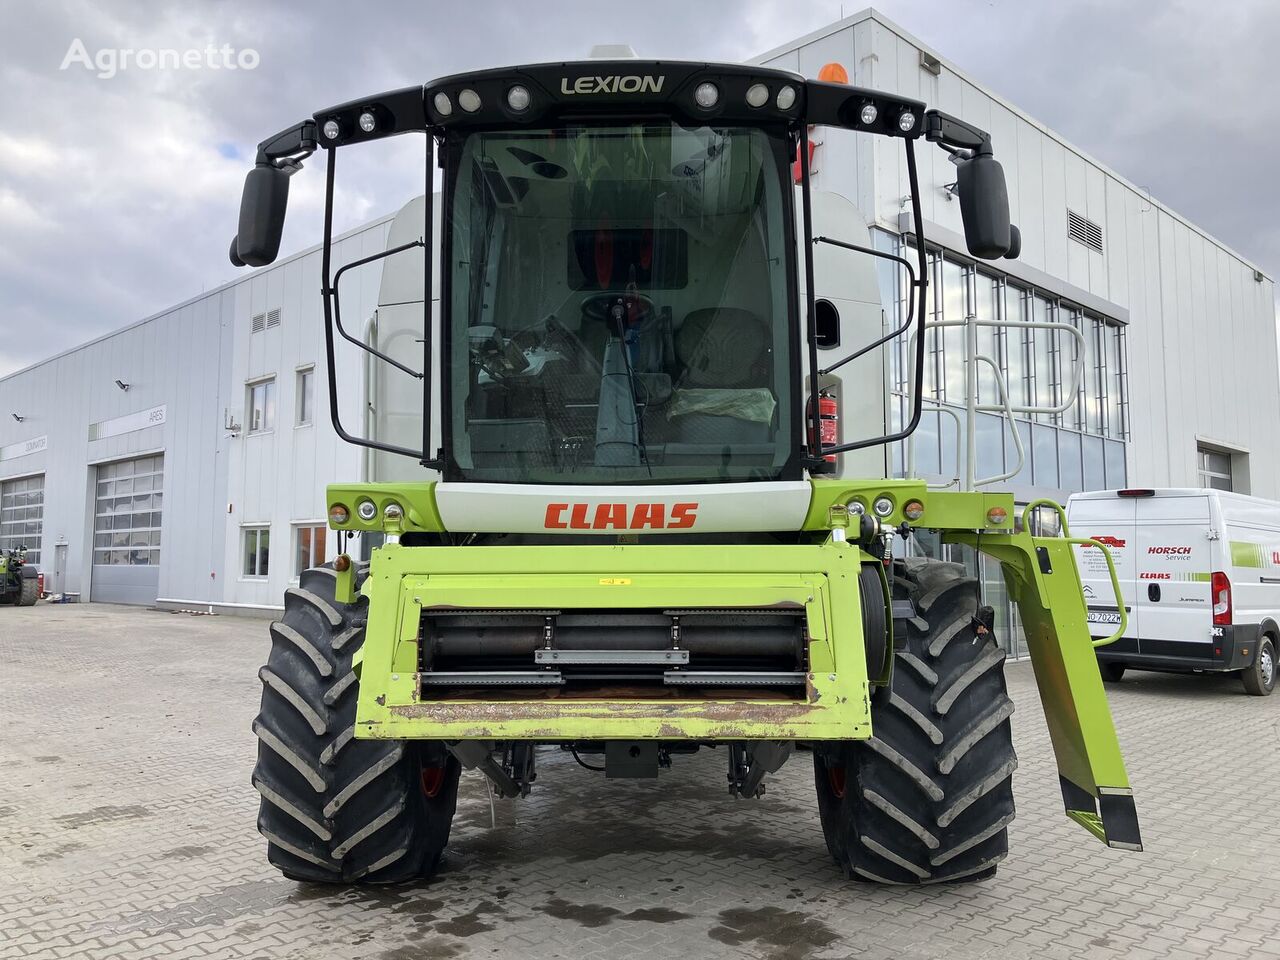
x=968, y=480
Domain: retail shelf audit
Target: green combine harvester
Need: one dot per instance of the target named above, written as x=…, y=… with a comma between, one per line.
x=621, y=508
x=19, y=582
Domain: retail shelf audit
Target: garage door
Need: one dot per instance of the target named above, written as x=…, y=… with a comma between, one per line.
x=22, y=516
x=126, y=531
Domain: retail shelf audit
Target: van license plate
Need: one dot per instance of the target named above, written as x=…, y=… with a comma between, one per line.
x=1103, y=616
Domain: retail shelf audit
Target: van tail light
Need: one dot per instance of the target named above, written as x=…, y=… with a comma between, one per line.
x=1221, y=589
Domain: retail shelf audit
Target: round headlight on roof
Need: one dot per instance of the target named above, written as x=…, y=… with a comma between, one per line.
x=786, y=98
x=868, y=113
x=706, y=95
x=906, y=121
x=444, y=106
x=518, y=98
x=368, y=121
x=331, y=129
x=757, y=95
x=469, y=100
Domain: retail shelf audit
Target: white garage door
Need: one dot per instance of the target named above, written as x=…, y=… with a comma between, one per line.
x=126, y=530
x=22, y=516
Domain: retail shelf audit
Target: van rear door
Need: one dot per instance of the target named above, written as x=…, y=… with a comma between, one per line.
x=1109, y=519
x=1174, y=561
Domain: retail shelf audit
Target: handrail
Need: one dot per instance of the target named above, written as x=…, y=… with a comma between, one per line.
x=892, y=334
x=1086, y=542
x=911, y=447
x=337, y=304
x=1003, y=388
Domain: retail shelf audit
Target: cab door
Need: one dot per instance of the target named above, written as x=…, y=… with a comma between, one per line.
x=1109, y=520
x=1174, y=564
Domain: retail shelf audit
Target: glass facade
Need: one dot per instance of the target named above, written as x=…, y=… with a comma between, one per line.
x=1080, y=448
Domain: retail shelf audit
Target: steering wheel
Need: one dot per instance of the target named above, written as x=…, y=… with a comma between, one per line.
x=637, y=308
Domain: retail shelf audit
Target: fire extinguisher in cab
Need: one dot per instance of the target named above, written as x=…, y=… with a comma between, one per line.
x=828, y=429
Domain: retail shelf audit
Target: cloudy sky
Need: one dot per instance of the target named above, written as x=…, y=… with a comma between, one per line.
x=118, y=194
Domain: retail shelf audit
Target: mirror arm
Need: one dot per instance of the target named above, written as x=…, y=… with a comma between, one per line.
x=288, y=148
x=952, y=133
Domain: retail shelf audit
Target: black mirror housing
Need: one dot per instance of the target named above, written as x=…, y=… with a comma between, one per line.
x=1015, y=243
x=262, y=210
x=984, y=206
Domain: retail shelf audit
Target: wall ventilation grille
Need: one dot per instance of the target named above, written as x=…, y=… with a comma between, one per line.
x=265, y=321
x=1083, y=230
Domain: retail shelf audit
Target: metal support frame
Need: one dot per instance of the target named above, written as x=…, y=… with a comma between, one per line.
x=920, y=284
x=333, y=318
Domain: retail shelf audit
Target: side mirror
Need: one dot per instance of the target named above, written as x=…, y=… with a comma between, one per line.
x=262, y=209
x=1015, y=243
x=235, y=253
x=984, y=206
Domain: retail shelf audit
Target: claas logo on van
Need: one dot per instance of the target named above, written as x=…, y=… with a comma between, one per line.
x=620, y=516
x=1110, y=541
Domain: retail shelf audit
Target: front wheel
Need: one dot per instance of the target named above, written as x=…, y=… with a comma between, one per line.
x=1260, y=679
x=928, y=799
x=1112, y=672
x=335, y=809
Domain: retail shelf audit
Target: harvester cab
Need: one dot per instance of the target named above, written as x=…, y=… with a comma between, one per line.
x=624, y=510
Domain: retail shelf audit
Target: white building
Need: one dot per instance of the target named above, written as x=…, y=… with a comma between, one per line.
x=202, y=482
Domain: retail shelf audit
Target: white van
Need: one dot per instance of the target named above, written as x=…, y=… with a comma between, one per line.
x=1199, y=571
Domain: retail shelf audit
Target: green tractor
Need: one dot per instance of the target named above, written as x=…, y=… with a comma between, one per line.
x=19, y=583
x=613, y=509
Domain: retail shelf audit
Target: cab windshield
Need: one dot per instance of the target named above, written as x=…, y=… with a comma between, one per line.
x=618, y=305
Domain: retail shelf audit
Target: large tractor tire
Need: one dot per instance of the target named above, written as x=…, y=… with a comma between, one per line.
x=335, y=809
x=30, y=592
x=929, y=797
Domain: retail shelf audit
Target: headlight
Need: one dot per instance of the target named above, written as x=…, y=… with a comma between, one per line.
x=366, y=510
x=757, y=95
x=868, y=113
x=393, y=511
x=368, y=121
x=331, y=129
x=339, y=514
x=786, y=98
x=444, y=106
x=913, y=510
x=883, y=506
x=906, y=121
x=518, y=98
x=707, y=95
x=469, y=100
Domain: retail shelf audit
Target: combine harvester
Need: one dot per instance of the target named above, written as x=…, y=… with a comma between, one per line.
x=615, y=511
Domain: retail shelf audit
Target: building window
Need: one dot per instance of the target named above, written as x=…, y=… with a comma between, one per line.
x=128, y=507
x=262, y=406
x=306, y=395
x=310, y=552
x=1215, y=468
x=257, y=551
x=22, y=515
